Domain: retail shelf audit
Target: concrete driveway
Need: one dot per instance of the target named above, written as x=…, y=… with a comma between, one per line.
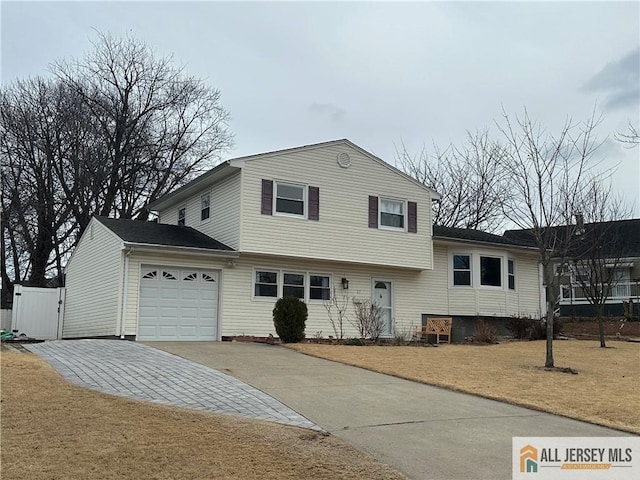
x=426, y=432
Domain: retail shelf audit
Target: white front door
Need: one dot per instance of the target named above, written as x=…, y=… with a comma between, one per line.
x=382, y=298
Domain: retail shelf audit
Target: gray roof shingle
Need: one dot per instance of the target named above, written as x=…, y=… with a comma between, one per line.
x=475, y=236
x=135, y=231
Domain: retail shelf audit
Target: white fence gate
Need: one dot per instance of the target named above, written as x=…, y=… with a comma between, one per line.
x=37, y=312
x=5, y=319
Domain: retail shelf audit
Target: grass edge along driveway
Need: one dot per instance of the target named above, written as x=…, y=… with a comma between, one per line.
x=604, y=392
x=51, y=429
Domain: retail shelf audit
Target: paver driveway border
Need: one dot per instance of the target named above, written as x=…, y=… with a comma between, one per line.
x=133, y=370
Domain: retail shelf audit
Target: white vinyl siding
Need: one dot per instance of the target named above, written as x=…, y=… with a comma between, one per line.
x=242, y=315
x=491, y=300
x=415, y=292
x=342, y=233
x=224, y=212
x=93, y=285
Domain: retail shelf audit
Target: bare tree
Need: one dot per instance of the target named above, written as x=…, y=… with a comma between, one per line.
x=156, y=127
x=368, y=319
x=547, y=174
x=597, y=249
x=105, y=136
x=34, y=207
x=469, y=178
x=631, y=137
x=336, y=307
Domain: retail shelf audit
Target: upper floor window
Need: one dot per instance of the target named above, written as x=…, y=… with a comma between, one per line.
x=392, y=213
x=511, y=266
x=290, y=199
x=462, y=270
x=205, y=206
x=182, y=215
x=491, y=271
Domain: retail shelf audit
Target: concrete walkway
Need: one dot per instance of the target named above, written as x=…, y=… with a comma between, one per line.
x=425, y=432
x=133, y=370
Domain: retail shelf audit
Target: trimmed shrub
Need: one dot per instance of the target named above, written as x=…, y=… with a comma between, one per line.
x=532, y=328
x=520, y=327
x=289, y=317
x=485, y=332
x=360, y=342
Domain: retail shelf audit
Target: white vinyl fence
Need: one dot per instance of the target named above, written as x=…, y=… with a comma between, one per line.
x=37, y=312
x=5, y=319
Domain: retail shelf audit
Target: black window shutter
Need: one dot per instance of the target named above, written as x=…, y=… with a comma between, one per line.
x=412, y=224
x=373, y=212
x=267, y=197
x=314, y=203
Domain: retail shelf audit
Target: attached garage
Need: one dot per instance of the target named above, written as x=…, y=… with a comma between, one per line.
x=178, y=304
x=145, y=281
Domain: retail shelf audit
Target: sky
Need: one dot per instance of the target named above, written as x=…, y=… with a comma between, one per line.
x=382, y=74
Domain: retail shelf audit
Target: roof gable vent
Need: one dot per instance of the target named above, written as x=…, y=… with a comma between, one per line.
x=344, y=160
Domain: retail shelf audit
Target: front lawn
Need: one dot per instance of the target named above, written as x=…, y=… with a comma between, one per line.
x=605, y=391
x=51, y=429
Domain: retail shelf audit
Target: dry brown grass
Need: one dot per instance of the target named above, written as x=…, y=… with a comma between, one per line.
x=605, y=391
x=54, y=430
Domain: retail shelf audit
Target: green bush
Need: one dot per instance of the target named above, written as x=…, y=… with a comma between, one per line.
x=289, y=317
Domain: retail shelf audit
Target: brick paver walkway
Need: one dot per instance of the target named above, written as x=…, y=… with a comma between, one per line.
x=133, y=370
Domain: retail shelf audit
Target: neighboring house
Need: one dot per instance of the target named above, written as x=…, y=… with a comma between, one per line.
x=613, y=246
x=310, y=222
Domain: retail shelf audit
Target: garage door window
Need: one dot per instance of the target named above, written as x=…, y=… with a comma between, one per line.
x=151, y=274
x=191, y=277
x=207, y=278
x=168, y=276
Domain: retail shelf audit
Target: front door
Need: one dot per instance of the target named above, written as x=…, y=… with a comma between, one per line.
x=382, y=298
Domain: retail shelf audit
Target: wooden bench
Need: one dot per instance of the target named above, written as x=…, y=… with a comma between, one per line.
x=438, y=326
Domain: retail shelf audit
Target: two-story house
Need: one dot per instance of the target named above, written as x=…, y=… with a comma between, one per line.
x=311, y=222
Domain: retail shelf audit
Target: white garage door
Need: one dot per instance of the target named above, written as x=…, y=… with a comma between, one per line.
x=178, y=304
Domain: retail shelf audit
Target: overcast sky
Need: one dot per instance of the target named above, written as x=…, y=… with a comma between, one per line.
x=379, y=74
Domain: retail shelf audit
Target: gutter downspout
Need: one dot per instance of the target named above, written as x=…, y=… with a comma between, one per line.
x=125, y=277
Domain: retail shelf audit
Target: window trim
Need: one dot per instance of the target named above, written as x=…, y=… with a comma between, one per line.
x=494, y=287
x=308, y=290
x=208, y=208
x=510, y=275
x=264, y=298
x=404, y=214
x=280, y=272
x=304, y=283
x=305, y=199
x=470, y=269
x=182, y=209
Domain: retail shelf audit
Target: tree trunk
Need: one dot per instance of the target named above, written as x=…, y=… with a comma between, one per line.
x=601, y=326
x=549, y=363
